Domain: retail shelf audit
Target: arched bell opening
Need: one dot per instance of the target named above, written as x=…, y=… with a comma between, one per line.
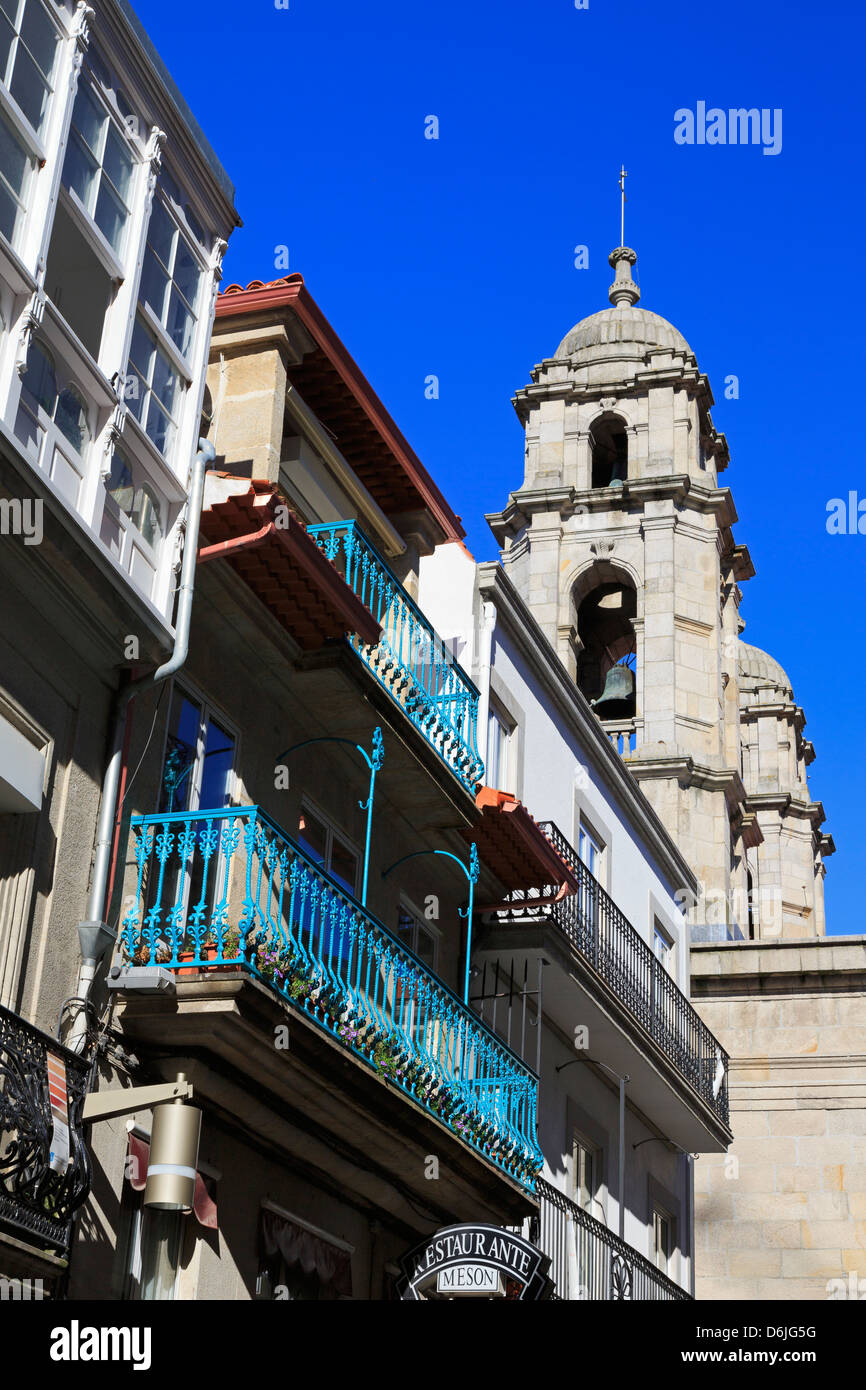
x=606, y=666
x=609, y=444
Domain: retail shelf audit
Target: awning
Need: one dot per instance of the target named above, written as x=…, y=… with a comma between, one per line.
x=512, y=844
x=251, y=526
x=311, y=1253
x=204, y=1203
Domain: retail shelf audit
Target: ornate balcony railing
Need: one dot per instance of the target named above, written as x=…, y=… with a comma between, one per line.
x=589, y=1262
x=228, y=888
x=596, y=928
x=44, y=1163
x=409, y=660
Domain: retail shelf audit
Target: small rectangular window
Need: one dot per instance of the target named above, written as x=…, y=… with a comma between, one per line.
x=499, y=764
x=586, y=1174
x=662, y=1239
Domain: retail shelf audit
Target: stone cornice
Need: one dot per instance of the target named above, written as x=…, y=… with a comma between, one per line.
x=685, y=491
x=817, y=964
x=689, y=773
x=494, y=586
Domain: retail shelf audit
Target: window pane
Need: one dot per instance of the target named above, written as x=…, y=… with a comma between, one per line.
x=88, y=119
x=135, y=393
x=40, y=36
x=110, y=215
x=344, y=866
x=142, y=349
x=71, y=419
x=146, y=517
x=154, y=285
x=406, y=928
x=29, y=89
x=219, y=753
x=8, y=213
x=161, y=233
x=164, y=381
x=178, y=776
x=180, y=323
x=119, y=483
x=26, y=427
x=39, y=379
x=13, y=158
x=186, y=273
x=80, y=171
x=313, y=836
x=7, y=34
x=426, y=947
x=159, y=427
x=118, y=163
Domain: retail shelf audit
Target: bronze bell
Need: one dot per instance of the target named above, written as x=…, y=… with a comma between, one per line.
x=618, y=686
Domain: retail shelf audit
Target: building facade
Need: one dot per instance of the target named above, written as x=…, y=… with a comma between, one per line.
x=250, y=838
x=115, y=216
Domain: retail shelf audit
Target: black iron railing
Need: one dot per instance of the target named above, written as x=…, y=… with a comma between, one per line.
x=598, y=931
x=589, y=1262
x=44, y=1168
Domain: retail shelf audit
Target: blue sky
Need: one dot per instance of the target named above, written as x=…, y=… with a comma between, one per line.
x=455, y=257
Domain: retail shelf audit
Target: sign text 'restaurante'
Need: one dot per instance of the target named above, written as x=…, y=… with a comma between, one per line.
x=495, y=1246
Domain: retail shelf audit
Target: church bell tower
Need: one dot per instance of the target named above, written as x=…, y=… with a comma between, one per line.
x=620, y=540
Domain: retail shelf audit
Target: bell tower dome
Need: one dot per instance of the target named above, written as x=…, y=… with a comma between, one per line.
x=620, y=541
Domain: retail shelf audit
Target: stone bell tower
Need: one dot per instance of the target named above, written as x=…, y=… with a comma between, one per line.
x=620, y=541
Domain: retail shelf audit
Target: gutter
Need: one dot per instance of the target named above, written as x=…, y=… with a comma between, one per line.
x=94, y=933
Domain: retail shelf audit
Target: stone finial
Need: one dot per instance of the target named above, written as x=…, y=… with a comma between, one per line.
x=623, y=290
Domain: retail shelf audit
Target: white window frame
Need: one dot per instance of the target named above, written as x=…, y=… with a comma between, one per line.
x=113, y=259
x=182, y=360
x=53, y=440
x=503, y=729
x=10, y=105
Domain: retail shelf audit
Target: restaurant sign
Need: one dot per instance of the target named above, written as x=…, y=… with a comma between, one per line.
x=475, y=1262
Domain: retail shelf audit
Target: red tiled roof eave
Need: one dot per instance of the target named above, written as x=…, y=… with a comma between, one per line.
x=513, y=845
x=283, y=566
x=331, y=375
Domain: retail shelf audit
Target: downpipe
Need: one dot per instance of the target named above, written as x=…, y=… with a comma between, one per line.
x=95, y=935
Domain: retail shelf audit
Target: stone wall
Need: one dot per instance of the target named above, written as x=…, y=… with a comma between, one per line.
x=783, y=1214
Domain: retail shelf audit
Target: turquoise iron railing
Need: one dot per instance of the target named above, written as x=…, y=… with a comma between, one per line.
x=229, y=888
x=409, y=659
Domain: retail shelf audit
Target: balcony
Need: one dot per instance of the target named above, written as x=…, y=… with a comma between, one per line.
x=589, y=1262
x=639, y=1021
x=227, y=892
x=409, y=660
x=44, y=1173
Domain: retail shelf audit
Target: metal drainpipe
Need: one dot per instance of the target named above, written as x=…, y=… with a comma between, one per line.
x=108, y=802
